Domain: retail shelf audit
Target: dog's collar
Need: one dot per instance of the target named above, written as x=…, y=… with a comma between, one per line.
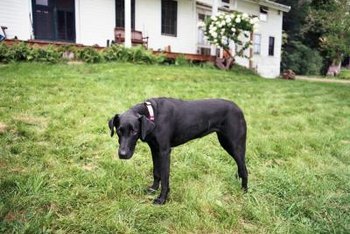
x=150, y=110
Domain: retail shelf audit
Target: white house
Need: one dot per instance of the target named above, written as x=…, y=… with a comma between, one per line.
x=167, y=23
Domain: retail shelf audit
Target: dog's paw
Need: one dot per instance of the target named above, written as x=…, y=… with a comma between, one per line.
x=159, y=201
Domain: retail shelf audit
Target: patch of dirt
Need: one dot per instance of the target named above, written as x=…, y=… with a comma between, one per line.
x=2, y=164
x=33, y=120
x=14, y=216
x=75, y=62
x=3, y=128
x=325, y=80
x=89, y=167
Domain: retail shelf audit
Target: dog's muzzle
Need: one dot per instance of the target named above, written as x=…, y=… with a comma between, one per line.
x=124, y=154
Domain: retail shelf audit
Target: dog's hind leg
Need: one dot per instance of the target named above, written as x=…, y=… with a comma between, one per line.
x=236, y=148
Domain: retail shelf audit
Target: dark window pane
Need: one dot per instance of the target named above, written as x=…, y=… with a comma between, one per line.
x=44, y=25
x=169, y=17
x=42, y=2
x=70, y=26
x=61, y=25
x=271, y=46
x=65, y=4
x=120, y=13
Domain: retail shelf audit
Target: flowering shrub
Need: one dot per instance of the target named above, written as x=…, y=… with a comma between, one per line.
x=223, y=28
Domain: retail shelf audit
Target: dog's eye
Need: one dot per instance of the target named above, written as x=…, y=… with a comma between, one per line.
x=133, y=132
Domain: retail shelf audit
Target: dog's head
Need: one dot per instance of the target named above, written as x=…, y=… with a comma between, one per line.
x=130, y=127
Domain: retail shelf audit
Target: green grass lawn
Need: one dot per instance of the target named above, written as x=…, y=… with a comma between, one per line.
x=59, y=171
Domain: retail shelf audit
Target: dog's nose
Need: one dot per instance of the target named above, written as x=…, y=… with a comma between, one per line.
x=122, y=153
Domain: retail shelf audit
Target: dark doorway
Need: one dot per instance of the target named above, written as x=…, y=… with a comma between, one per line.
x=120, y=13
x=54, y=20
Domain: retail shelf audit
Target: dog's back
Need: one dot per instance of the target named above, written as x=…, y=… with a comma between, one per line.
x=193, y=119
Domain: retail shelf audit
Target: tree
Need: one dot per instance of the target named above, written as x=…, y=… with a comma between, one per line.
x=220, y=30
x=329, y=20
x=299, y=52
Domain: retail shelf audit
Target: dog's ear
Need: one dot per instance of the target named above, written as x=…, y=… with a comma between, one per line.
x=147, y=126
x=113, y=123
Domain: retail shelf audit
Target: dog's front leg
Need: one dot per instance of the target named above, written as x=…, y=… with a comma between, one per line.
x=156, y=170
x=164, y=160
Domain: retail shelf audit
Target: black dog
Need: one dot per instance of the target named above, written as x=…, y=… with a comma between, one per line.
x=165, y=122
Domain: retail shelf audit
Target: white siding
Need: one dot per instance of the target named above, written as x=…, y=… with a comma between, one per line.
x=148, y=20
x=95, y=21
x=267, y=66
x=16, y=15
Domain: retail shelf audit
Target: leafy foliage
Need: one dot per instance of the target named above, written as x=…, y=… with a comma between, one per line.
x=89, y=55
x=21, y=52
x=49, y=54
x=331, y=21
x=220, y=30
x=301, y=59
x=181, y=61
x=344, y=74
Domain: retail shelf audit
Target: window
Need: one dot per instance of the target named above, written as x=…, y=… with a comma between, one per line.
x=54, y=20
x=169, y=17
x=226, y=3
x=271, y=46
x=42, y=2
x=202, y=40
x=257, y=43
x=120, y=13
x=263, y=13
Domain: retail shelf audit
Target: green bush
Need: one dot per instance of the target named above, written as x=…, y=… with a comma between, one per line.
x=4, y=50
x=48, y=54
x=21, y=52
x=140, y=55
x=135, y=55
x=301, y=59
x=344, y=74
x=89, y=55
x=51, y=54
x=181, y=61
x=115, y=53
x=18, y=52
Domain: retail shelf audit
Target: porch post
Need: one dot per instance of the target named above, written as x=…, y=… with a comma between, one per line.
x=214, y=11
x=127, y=19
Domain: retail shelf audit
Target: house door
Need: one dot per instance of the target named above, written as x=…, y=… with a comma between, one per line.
x=54, y=20
x=120, y=13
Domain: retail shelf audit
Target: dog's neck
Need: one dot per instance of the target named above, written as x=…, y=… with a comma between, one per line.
x=140, y=109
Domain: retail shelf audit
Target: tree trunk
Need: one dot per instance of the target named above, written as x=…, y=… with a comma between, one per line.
x=226, y=62
x=334, y=68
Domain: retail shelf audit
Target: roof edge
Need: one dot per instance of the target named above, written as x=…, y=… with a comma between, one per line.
x=271, y=4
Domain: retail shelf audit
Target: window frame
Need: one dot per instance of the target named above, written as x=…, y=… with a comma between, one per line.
x=52, y=32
